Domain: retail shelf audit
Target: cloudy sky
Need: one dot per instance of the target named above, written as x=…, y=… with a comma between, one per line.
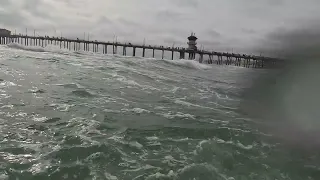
x=221, y=25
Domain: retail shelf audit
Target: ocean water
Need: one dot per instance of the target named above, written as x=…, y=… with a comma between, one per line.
x=79, y=115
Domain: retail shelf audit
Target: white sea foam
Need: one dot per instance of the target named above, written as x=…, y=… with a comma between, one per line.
x=7, y=83
x=39, y=119
x=175, y=89
x=152, y=138
x=120, y=139
x=62, y=107
x=171, y=115
x=203, y=168
x=70, y=85
x=188, y=64
x=9, y=106
x=238, y=144
x=135, y=144
x=4, y=177
x=159, y=175
x=185, y=103
x=26, y=48
x=136, y=110
x=109, y=176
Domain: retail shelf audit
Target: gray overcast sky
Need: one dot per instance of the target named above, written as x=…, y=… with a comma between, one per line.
x=219, y=24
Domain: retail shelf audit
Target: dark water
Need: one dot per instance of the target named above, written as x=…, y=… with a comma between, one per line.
x=66, y=115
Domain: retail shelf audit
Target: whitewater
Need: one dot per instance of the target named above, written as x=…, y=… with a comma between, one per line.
x=81, y=115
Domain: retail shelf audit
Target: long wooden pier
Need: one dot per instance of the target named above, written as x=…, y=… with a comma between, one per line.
x=209, y=57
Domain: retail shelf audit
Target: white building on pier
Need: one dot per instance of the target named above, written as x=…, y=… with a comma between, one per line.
x=5, y=32
x=192, y=42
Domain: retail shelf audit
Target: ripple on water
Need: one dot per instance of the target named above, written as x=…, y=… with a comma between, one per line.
x=200, y=171
x=95, y=156
x=171, y=115
x=62, y=107
x=82, y=93
x=52, y=120
x=136, y=110
x=70, y=85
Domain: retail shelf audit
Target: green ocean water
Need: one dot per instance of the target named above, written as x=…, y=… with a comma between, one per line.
x=82, y=116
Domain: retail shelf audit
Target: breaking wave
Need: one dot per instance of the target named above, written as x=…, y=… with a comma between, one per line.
x=190, y=64
x=26, y=48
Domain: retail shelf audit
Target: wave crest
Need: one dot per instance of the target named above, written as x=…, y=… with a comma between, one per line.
x=187, y=64
x=26, y=48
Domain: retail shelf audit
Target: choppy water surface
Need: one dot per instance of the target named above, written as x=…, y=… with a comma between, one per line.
x=73, y=115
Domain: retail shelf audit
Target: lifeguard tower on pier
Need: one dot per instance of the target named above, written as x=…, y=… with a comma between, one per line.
x=192, y=46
